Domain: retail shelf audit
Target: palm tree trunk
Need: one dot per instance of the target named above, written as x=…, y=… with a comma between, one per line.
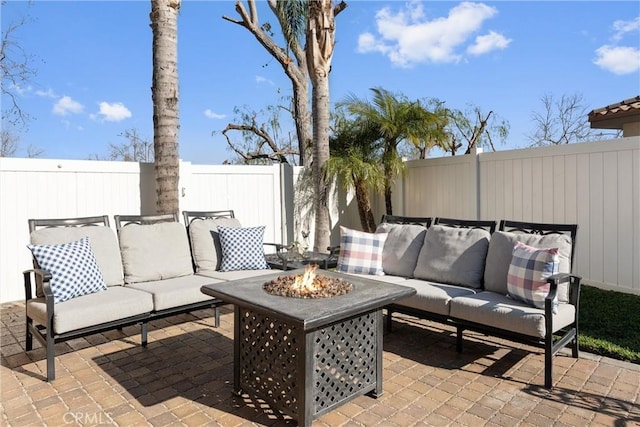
x=319, y=50
x=320, y=99
x=364, y=206
x=164, y=91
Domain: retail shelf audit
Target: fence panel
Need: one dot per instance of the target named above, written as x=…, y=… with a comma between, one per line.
x=596, y=185
x=42, y=188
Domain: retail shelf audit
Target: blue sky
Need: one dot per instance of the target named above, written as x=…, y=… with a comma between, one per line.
x=93, y=62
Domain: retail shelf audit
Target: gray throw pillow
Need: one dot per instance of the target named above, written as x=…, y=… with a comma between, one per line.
x=454, y=256
x=501, y=252
x=402, y=247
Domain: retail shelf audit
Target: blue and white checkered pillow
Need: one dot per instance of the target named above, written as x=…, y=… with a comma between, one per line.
x=528, y=272
x=73, y=268
x=361, y=252
x=242, y=248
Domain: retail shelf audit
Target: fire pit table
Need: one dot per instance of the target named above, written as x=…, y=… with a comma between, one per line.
x=307, y=356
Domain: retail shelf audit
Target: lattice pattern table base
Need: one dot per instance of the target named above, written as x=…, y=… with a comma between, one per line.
x=305, y=375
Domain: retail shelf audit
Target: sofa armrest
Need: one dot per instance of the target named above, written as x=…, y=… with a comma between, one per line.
x=42, y=283
x=574, y=293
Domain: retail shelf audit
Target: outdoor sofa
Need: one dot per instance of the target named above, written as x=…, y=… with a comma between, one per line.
x=151, y=267
x=471, y=276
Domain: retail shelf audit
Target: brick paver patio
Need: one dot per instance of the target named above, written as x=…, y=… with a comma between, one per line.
x=184, y=377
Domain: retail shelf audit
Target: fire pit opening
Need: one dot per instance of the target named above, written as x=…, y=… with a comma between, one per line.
x=308, y=285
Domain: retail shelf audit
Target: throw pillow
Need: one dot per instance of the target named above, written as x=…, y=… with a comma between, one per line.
x=455, y=256
x=528, y=272
x=501, y=251
x=205, y=241
x=242, y=248
x=361, y=252
x=73, y=268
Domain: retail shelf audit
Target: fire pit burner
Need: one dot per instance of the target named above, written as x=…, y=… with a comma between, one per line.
x=308, y=285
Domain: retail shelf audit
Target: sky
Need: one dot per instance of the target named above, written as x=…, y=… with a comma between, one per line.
x=93, y=65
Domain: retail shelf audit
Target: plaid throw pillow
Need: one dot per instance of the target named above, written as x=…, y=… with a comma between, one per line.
x=361, y=252
x=73, y=267
x=528, y=272
x=242, y=248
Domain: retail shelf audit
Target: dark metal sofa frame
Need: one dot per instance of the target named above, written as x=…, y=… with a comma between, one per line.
x=41, y=279
x=552, y=342
x=44, y=333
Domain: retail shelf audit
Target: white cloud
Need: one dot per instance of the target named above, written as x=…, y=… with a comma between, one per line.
x=49, y=93
x=66, y=105
x=213, y=115
x=408, y=37
x=618, y=59
x=487, y=43
x=621, y=28
x=114, y=112
x=260, y=79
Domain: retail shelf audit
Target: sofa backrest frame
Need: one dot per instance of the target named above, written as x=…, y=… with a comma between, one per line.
x=489, y=226
x=124, y=220
x=411, y=220
x=543, y=229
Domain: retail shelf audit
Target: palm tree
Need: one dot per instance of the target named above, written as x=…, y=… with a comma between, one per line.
x=164, y=92
x=355, y=153
x=397, y=120
x=320, y=40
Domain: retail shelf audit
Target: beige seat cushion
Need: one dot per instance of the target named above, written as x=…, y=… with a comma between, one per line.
x=175, y=292
x=500, y=311
x=432, y=297
x=103, y=244
x=116, y=303
x=205, y=241
x=155, y=251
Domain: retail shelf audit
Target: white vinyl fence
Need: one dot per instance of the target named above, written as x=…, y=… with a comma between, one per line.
x=596, y=185
x=42, y=188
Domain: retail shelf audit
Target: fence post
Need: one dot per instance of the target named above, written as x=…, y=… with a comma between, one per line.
x=476, y=189
x=287, y=202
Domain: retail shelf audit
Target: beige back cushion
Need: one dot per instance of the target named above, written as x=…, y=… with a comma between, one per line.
x=205, y=242
x=154, y=251
x=103, y=243
x=501, y=252
x=454, y=256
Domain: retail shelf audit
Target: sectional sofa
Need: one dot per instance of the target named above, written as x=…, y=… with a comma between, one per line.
x=513, y=283
x=88, y=279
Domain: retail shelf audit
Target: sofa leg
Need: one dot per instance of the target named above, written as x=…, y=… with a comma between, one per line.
x=216, y=311
x=143, y=334
x=29, y=336
x=389, y=320
x=51, y=357
x=575, y=350
x=548, y=365
x=459, y=332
